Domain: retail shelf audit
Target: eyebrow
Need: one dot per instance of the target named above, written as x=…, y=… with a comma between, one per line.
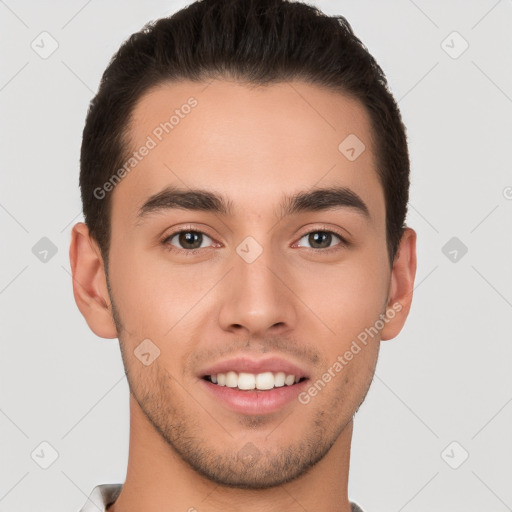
x=318, y=199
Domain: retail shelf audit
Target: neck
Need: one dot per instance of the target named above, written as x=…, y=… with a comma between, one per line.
x=158, y=479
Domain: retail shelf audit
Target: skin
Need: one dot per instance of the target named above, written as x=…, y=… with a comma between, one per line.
x=252, y=145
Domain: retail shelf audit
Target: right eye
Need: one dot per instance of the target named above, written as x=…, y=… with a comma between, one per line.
x=188, y=240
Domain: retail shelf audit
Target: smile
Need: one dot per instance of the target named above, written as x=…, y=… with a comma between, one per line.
x=250, y=381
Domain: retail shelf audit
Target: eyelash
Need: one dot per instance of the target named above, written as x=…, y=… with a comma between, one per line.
x=191, y=252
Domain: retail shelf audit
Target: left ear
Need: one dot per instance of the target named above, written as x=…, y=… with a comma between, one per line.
x=402, y=285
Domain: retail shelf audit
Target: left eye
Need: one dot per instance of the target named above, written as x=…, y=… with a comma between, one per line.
x=321, y=239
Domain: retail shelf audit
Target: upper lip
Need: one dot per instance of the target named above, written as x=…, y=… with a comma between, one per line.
x=245, y=364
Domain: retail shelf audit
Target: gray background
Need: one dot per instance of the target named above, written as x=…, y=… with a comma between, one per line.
x=446, y=378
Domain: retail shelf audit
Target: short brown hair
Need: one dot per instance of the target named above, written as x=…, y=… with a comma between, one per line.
x=255, y=41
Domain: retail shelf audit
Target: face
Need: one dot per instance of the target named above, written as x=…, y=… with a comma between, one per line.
x=249, y=279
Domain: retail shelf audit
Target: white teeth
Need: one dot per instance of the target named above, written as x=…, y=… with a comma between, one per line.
x=279, y=379
x=247, y=381
x=231, y=380
x=265, y=380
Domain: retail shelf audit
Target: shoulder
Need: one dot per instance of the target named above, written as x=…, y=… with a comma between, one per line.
x=356, y=507
x=101, y=497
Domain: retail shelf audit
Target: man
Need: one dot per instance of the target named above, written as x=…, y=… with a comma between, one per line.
x=244, y=178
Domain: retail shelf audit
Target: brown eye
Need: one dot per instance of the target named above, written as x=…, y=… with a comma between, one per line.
x=322, y=239
x=187, y=240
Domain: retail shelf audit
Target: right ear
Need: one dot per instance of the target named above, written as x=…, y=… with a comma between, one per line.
x=90, y=283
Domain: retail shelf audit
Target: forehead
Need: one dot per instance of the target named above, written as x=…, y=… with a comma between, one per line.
x=251, y=144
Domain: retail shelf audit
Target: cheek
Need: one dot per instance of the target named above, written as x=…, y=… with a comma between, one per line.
x=152, y=294
x=348, y=300
x=346, y=297
x=134, y=292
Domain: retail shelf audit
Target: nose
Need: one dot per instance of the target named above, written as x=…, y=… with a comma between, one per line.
x=258, y=297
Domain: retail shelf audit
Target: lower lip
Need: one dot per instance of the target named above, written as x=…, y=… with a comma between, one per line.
x=255, y=401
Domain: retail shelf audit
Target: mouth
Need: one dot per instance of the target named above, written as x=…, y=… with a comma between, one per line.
x=245, y=381
x=254, y=387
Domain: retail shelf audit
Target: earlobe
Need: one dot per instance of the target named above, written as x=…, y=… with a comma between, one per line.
x=402, y=285
x=89, y=282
